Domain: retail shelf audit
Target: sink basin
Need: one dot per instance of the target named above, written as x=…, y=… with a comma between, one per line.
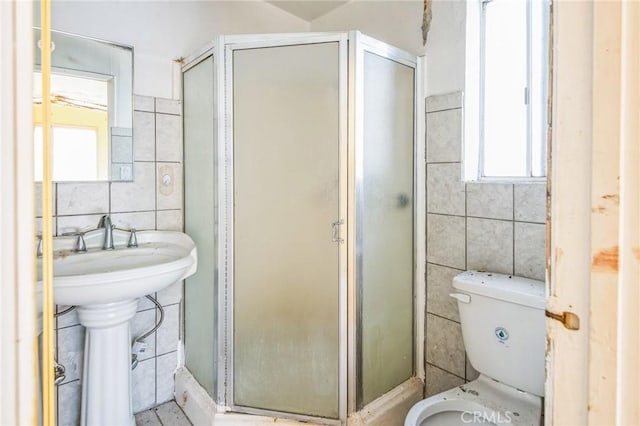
x=105, y=285
x=103, y=276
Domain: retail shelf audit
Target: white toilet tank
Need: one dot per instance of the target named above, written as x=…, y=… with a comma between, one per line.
x=503, y=327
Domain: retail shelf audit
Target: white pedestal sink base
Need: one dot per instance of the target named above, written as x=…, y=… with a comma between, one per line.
x=106, y=377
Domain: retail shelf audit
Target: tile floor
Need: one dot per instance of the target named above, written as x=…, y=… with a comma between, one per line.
x=167, y=414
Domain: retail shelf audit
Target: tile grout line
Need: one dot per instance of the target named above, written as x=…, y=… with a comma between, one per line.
x=513, y=228
x=446, y=371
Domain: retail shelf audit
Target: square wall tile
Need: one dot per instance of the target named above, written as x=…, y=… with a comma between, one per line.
x=83, y=198
x=442, y=102
x=445, y=189
x=70, y=345
x=140, y=324
x=143, y=379
x=143, y=103
x=122, y=131
x=138, y=195
x=69, y=398
x=144, y=136
x=490, y=245
x=439, y=287
x=170, y=295
x=168, y=137
x=444, y=345
x=531, y=202
x=169, y=220
x=38, y=199
x=121, y=149
x=165, y=383
x=77, y=223
x=138, y=220
x=444, y=136
x=168, y=333
x=169, y=184
x=168, y=106
x=438, y=380
x=490, y=200
x=67, y=320
x=38, y=225
x=446, y=240
x=530, y=250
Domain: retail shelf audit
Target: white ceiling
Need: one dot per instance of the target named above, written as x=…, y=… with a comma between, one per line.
x=307, y=9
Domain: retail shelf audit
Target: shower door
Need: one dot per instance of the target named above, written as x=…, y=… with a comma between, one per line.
x=289, y=269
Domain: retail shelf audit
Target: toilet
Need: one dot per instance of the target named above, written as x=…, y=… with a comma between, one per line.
x=503, y=327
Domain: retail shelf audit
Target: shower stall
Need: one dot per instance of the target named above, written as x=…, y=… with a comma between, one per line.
x=304, y=194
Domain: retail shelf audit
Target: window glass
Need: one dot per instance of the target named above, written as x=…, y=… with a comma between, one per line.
x=505, y=79
x=75, y=153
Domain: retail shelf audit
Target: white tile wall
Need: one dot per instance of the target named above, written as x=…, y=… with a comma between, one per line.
x=168, y=129
x=70, y=343
x=444, y=345
x=169, y=220
x=169, y=186
x=144, y=136
x=141, y=204
x=439, y=380
x=446, y=240
x=168, y=106
x=445, y=189
x=529, y=207
x=439, y=288
x=165, y=368
x=140, y=325
x=143, y=379
x=68, y=400
x=494, y=227
x=82, y=198
x=167, y=334
x=444, y=132
x=490, y=200
x=138, y=195
x=144, y=103
x=529, y=243
x=490, y=245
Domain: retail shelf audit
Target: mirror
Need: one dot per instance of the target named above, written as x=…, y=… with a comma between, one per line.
x=92, y=109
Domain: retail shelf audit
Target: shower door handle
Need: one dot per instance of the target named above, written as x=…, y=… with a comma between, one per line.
x=335, y=231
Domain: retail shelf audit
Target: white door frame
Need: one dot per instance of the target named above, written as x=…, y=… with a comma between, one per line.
x=593, y=361
x=18, y=381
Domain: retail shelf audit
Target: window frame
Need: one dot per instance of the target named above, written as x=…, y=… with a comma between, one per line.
x=473, y=118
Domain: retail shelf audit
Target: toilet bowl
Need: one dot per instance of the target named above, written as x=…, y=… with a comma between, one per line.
x=502, y=321
x=482, y=401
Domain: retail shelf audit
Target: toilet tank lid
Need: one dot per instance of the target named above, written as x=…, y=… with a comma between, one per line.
x=523, y=291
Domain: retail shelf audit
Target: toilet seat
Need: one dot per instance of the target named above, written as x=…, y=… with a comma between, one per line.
x=483, y=401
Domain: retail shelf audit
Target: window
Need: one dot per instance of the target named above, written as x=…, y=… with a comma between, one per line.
x=506, y=89
x=79, y=128
x=75, y=153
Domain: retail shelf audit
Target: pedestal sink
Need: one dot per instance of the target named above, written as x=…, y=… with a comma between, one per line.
x=105, y=286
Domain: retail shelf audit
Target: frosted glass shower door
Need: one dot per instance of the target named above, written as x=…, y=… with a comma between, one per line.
x=286, y=315
x=385, y=234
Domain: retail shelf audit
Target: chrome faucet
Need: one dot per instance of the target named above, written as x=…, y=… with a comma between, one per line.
x=105, y=222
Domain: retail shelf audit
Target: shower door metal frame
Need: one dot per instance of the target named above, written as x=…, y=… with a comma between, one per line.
x=229, y=44
x=358, y=45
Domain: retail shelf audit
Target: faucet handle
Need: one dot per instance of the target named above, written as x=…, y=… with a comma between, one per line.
x=80, y=246
x=133, y=239
x=104, y=220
